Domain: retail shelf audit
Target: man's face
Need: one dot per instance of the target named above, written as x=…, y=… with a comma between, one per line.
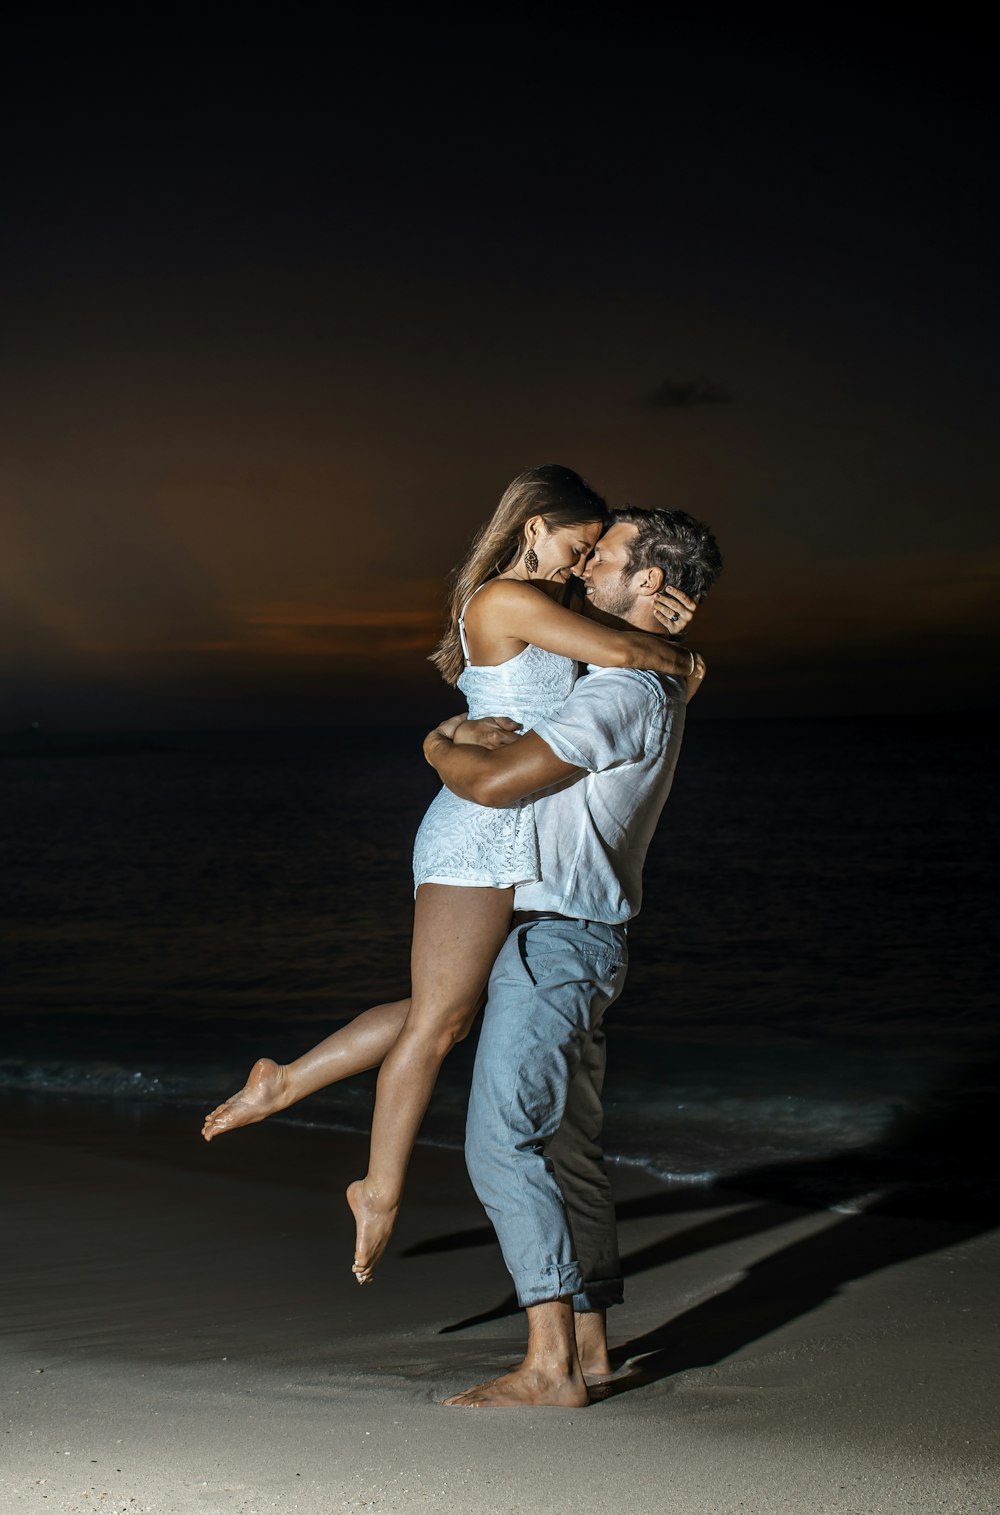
x=607, y=584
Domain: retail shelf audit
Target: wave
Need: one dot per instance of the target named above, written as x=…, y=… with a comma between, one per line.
x=699, y=1135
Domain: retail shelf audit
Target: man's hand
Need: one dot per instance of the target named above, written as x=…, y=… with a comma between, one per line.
x=490, y=731
x=674, y=610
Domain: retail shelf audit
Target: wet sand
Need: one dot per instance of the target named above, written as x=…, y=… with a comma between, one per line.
x=182, y=1333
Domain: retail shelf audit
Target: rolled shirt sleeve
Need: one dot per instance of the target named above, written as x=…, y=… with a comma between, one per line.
x=605, y=721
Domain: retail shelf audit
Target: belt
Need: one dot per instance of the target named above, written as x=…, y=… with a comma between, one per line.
x=524, y=917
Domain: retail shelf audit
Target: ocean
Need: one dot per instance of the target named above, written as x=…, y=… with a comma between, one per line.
x=810, y=1009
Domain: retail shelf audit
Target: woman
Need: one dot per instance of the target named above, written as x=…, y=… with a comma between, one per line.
x=512, y=648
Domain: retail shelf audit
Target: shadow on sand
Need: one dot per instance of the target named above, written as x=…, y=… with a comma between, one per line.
x=928, y=1174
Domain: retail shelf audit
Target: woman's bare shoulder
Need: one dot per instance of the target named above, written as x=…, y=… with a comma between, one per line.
x=509, y=609
x=496, y=594
x=511, y=591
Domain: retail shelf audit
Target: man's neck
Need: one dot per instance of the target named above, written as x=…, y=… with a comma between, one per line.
x=642, y=618
x=638, y=616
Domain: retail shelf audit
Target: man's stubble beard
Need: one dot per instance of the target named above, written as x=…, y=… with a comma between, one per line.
x=615, y=599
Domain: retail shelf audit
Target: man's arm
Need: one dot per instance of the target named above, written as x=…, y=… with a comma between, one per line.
x=497, y=778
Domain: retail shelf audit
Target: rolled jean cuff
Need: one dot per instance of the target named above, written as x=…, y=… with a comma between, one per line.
x=599, y=1295
x=554, y=1282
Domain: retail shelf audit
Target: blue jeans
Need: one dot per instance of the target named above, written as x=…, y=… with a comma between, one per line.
x=533, y=1140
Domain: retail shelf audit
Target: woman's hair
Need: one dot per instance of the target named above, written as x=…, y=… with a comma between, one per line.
x=556, y=494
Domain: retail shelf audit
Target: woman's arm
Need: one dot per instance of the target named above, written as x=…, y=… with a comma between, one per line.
x=694, y=679
x=519, y=611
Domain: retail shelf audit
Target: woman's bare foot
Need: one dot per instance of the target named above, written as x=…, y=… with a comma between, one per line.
x=264, y=1092
x=526, y=1386
x=374, y=1220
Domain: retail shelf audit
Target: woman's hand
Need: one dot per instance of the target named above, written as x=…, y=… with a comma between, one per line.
x=491, y=731
x=674, y=610
x=450, y=727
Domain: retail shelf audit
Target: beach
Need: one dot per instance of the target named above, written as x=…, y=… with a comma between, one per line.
x=182, y=1334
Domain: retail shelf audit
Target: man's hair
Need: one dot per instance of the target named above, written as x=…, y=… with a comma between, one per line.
x=672, y=540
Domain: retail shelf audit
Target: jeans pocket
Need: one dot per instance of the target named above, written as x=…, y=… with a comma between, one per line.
x=551, y=968
x=522, y=950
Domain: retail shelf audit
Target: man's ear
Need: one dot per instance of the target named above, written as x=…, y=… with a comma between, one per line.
x=650, y=581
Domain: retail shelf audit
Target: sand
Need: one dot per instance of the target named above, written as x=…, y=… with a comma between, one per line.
x=181, y=1333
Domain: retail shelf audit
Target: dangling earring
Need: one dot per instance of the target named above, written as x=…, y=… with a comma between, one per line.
x=531, y=560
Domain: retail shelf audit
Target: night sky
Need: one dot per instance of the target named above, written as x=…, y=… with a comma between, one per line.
x=286, y=305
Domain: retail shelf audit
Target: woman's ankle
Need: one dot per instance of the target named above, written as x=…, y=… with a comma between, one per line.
x=379, y=1195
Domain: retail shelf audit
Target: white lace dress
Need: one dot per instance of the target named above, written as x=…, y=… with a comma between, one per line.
x=466, y=844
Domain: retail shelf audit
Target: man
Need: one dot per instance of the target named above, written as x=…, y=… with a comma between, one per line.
x=605, y=762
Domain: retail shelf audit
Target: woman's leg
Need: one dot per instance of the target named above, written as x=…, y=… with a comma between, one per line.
x=457, y=933
x=356, y=1047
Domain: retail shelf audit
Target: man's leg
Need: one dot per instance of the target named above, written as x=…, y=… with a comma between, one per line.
x=590, y=1328
x=577, y=1154
x=550, y=988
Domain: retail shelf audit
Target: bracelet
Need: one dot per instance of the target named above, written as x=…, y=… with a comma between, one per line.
x=691, y=669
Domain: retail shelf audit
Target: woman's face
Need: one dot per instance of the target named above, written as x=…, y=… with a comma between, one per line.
x=564, y=549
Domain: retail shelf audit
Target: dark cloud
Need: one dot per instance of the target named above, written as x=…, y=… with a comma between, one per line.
x=682, y=394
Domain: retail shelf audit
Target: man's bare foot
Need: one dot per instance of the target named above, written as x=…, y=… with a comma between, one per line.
x=526, y=1386
x=590, y=1331
x=374, y=1220
x=596, y=1373
x=262, y=1095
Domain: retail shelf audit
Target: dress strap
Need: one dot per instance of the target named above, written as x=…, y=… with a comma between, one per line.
x=461, y=621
